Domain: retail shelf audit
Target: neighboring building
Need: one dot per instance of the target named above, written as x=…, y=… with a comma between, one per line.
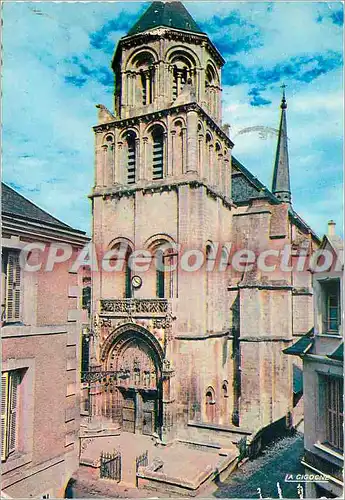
x=323, y=377
x=193, y=355
x=85, y=340
x=41, y=330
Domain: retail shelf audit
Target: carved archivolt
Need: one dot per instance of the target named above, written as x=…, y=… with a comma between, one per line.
x=124, y=336
x=134, y=364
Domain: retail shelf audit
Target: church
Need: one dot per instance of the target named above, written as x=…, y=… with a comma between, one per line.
x=194, y=356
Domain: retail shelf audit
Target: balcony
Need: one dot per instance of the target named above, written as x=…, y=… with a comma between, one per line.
x=121, y=308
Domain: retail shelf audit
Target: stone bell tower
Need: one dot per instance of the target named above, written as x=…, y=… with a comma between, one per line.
x=167, y=105
x=162, y=185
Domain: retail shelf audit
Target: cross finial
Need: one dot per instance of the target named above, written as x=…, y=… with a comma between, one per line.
x=283, y=103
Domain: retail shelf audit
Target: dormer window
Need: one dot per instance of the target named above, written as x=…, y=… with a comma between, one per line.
x=331, y=306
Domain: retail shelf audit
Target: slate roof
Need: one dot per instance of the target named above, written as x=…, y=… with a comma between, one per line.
x=301, y=222
x=169, y=14
x=245, y=185
x=336, y=243
x=15, y=204
x=281, y=173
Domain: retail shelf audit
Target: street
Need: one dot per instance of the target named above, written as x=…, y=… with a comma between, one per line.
x=281, y=458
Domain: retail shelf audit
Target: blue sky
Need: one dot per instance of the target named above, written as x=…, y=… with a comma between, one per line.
x=57, y=68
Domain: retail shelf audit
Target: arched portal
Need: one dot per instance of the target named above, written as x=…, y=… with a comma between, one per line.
x=132, y=396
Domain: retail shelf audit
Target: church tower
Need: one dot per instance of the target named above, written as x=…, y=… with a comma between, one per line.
x=189, y=347
x=163, y=186
x=167, y=106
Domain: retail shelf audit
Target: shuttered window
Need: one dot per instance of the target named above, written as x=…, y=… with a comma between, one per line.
x=334, y=412
x=332, y=312
x=128, y=280
x=160, y=281
x=85, y=350
x=157, y=153
x=160, y=284
x=131, y=159
x=13, y=288
x=4, y=415
x=9, y=407
x=144, y=88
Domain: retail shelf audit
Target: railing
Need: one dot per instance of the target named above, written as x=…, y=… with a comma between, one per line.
x=136, y=307
x=110, y=466
x=141, y=461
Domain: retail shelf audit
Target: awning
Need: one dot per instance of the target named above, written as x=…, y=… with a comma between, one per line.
x=297, y=379
x=302, y=346
x=338, y=354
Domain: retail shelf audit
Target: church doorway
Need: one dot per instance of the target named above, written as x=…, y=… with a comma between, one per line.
x=132, y=396
x=128, y=412
x=149, y=414
x=139, y=410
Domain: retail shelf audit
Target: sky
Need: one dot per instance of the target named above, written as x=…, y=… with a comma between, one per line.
x=56, y=68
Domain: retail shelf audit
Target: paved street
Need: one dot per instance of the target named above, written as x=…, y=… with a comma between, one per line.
x=266, y=471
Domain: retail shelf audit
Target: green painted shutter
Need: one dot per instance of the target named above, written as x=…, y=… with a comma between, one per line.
x=128, y=281
x=4, y=415
x=160, y=284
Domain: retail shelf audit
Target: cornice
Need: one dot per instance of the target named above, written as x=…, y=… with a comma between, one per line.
x=121, y=191
x=166, y=33
x=260, y=285
x=30, y=230
x=147, y=117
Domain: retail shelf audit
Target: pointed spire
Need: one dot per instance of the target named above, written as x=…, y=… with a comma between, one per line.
x=165, y=13
x=281, y=174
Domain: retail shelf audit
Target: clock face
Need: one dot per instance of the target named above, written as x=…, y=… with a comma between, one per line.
x=136, y=282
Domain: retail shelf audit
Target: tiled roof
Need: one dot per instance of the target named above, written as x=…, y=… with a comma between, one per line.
x=13, y=203
x=170, y=14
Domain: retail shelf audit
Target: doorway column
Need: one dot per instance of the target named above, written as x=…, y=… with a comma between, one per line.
x=168, y=401
x=138, y=413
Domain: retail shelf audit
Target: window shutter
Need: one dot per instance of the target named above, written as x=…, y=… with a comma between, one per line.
x=160, y=284
x=131, y=160
x=13, y=295
x=12, y=427
x=158, y=153
x=4, y=410
x=128, y=281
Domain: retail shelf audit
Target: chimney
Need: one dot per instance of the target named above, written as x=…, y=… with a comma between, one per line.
x=331, y=228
